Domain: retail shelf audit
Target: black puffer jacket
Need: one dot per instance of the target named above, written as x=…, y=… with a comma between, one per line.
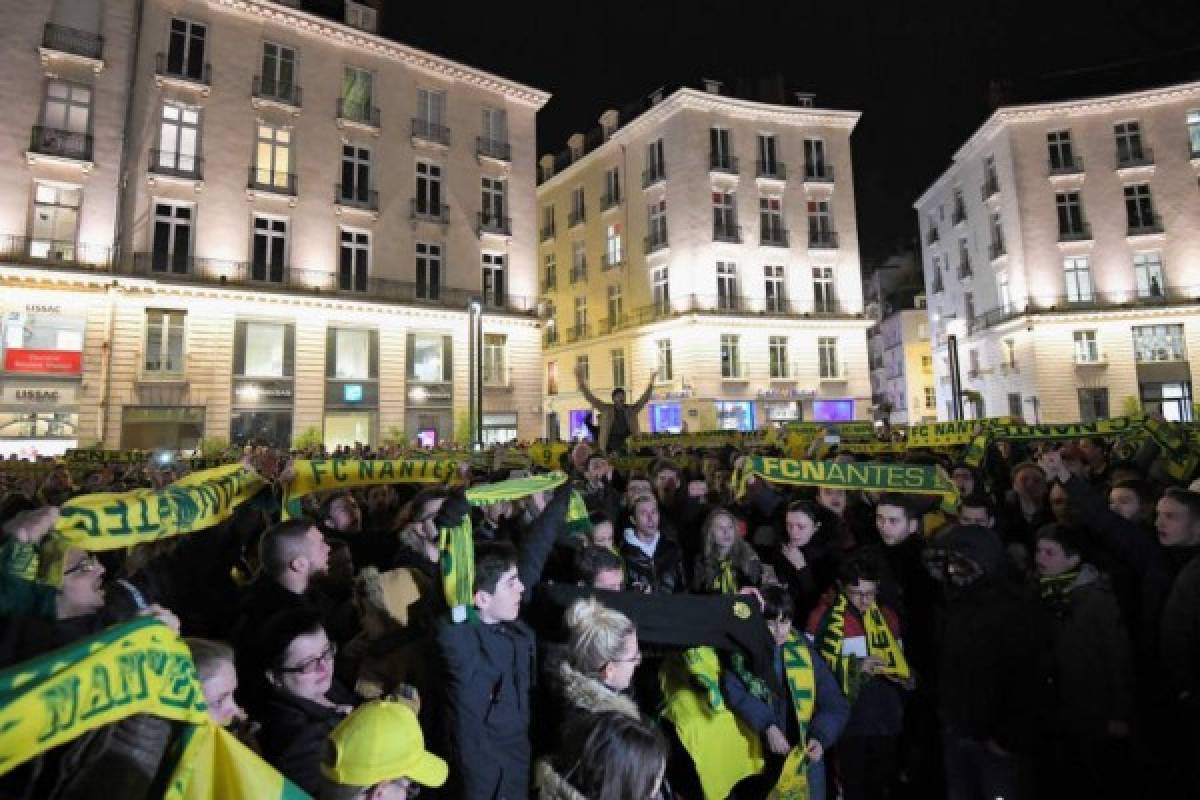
x=294, y=731
x=662, y=573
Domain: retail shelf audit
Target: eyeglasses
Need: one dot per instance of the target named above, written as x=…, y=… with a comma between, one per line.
x=325, y=657
x=88, y=563
x=636, y=658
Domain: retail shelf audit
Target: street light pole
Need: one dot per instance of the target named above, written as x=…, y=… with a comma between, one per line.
x=475, y=370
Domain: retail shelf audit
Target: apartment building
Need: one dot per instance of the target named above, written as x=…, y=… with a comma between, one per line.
x=1060, y=253
x=279, y=226
x=708, y=243
x=902, y=385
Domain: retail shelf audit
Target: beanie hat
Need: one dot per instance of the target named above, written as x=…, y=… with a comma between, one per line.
x=394, y=592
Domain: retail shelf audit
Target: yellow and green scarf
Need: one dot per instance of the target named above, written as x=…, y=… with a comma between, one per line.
x=326, y=474
x=880, y=643
x=801, y=686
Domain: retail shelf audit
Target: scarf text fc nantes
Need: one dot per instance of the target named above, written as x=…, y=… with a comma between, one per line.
x=866, y=476
x=880, y=643
x=802, y=688
x=111, y=521
x=324, y=474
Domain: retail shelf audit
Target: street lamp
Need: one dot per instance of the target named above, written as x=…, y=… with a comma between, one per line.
x=475, y=372
x=954, y=329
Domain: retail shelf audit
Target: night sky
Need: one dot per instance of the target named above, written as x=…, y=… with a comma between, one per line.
x=921, y=73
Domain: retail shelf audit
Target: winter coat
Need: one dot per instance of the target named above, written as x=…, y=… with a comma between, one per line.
x=552, y=786
x=607, y=410
x=1087, y=662
x=294, y=731
x=1181, y=633
x=580, y=695
x=662, y=573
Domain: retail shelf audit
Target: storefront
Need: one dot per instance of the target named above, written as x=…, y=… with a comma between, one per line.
x=429, y=399
x=38, y=417
x=735, y=415
x=351, y=387
x=833, y=410
x=178, y=428
x=578, y=420
x=666, y=418
x=499, y=427
x=263, y=394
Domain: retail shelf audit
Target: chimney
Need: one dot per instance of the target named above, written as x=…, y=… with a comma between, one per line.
x=546, y=163
x=609, y=121
x=805, y=99
x=655, y=97
x=712, y=86
x=575, y=146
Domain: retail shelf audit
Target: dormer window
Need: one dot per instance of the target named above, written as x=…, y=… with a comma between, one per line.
x=361, y=16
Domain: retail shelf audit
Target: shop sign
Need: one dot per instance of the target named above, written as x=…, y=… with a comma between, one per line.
x=782, y=412
x=352, y=394
x=53, y=362
x=33, y=395
x=261, y=394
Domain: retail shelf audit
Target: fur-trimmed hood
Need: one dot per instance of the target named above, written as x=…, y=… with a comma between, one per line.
x=592, y=696
x=551, y=785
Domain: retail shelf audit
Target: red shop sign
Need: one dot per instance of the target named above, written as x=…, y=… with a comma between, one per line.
x=58, y=362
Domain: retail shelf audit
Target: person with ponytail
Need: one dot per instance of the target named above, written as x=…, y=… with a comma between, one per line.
x=727, y=563
x=605, y=756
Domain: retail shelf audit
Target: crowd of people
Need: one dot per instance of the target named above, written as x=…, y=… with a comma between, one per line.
x=1041, y=638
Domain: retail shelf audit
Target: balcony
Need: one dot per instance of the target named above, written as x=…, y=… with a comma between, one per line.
x=577, y=333
x=959, y=215
x=773, y=236
x=547, y=232
x=770, y=170
x=493, y=149
x=494, y=224
x=611, y=324
x=188, y=72
x=550, y=337
x=826, y=305
x=420, y=209
x=608, y=261
x=609, y=200
x=40, y=252
x=359, y=115
x=932, y=236
x=72, y=42
x=725, y=232
x=578, y=273
x=835, y=372
x=964, y=269
x=576, y=216
x=1135, y=157
x=653, y=175
x=424, y=130
x=273, y=181
x=273, y=92
x=723, y=163
x=495, y=377
x=996, y=250
x=819, y=172
x=1146, y=226
x=732, y=303
x=822, y=240
x=549, y=281
x=654, y=242
x=1071, y=165
x=176, y=165
x=356, y=197
x=60, y=145
x=1085, y=360
x=991, y=187
x=1078, y=233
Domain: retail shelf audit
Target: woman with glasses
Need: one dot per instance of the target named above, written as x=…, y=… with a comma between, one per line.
x=303, y=702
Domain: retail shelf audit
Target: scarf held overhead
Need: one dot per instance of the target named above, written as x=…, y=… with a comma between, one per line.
x=321, y=475
x=865, y=476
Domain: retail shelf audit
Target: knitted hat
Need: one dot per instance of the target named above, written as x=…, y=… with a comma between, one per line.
x=394, y=592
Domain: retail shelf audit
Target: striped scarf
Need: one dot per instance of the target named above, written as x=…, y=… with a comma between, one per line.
x=881, y=643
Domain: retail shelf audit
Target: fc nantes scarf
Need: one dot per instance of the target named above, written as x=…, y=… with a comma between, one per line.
x=325, y=474
x=865, y=476
x=880, y=643
x=111, y=521
x=801, y=685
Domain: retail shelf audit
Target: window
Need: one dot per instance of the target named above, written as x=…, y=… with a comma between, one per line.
x=616, y=306
x=820, y=222
x=429, y=271
x=68, y=107
x=1070, y=215
x=1148, y=274
x=493, y=280
x=1014, y=405
x=777, y=350
x=493, y=203
x=357, y=100
x=720, y=149
x=827, y=357
x=429, y=358
x=1079, y=279
x=1003, y=292
x=1129, y=143
x=1010, y=353
x=660, y=288
x=960, y=208
x=431, y=107
x=278, y=71
x=580, y=315
x=360, y=16
x=273, y=157
x=617, y=359
x=578, y=262
x=1158, y=343
x=968, y=306
x=824, y=301
x=495, y=129
x=185, y=50
x=612, y=188
x=724, y=216
x=269, y=253
x=937, y=285
x=550, y=314
x=614, y=249
x=495, y=372
x=178, y=139
x=926, y=361
x=1193, y=130
x=727, y=293
x=550, y=272
x=551, y=377
x=429, y=190
x=578, y=209
x=1059, y=145
x=814, y=159
x=991, y=181
x=172, y=247
x=55, y=220
x=964, y=259
x=547, y=222
x=776, y=300
x=350, y=352
x=164, y=342
x=768, y=156
x=354, y=258
x=665, y=368
x=1139, y=209
x=656, y=165
x=1172, y=400
x=997, y=249
x=266, y=351
x=930, y=398
x=973, y=362
x=770, y=221
x=356, y=174
x=731, y=360
x=1086, y=349
x=583, y=367
x=1093, y=404
x=656, y=225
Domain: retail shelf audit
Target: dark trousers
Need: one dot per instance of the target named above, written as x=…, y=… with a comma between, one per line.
x=866, y=766
x=974, y=772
